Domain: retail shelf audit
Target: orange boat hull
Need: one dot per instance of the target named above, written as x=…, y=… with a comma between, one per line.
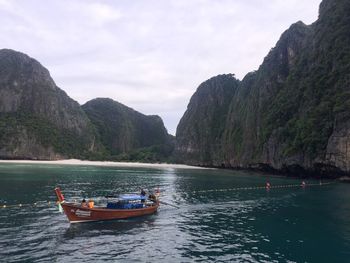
x=78, y=214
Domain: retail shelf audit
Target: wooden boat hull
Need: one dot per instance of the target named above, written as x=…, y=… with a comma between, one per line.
x=78, y=214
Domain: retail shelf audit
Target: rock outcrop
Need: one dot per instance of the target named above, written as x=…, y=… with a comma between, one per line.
x=200, y=131
x=128, y=134
x=293, y=113
x=37, y=119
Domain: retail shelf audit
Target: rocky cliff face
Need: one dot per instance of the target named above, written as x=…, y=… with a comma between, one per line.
x=125, y=132
x=37, y=119
x=294, y=111
x=200, y=131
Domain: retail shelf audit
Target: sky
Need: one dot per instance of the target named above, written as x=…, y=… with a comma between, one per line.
x=150, y=55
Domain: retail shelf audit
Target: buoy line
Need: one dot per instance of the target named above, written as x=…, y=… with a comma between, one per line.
x=266, y=187
x=35, y=204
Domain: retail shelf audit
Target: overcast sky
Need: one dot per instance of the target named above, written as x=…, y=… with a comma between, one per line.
x=149, y=55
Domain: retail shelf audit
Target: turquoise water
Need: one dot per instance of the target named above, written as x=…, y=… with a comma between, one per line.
x=280, y=225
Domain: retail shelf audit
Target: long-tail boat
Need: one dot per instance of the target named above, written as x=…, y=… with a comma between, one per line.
x=122, y=207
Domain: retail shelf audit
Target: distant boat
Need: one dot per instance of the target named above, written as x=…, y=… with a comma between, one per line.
x=122, y=207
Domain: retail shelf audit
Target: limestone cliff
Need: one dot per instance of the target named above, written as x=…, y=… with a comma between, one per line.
x=199, y=133
x=293, y=113
x=128, y=134
x=37, y=119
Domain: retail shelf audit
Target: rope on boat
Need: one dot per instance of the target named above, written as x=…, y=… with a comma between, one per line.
x=49, y=203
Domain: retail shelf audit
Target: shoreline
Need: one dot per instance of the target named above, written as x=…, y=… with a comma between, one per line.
x=103, y=163
x=270, y=172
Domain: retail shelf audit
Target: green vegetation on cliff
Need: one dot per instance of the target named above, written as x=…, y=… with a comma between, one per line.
x=64, y=142
x=200, y=130
x=39, y=121
x=127, y=134
x=293, y=111
x=316, y=92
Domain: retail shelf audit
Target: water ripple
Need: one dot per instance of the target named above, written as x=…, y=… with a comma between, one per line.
x=246, y=226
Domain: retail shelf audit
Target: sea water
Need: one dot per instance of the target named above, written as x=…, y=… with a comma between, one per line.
x=221, y=217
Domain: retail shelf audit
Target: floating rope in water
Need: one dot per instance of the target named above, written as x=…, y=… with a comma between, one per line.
x=267, y=187
x=35, y=204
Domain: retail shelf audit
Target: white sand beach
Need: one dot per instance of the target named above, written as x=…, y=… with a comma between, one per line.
x=105, y=163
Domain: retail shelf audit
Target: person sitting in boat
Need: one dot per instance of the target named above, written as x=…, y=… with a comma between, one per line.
x=152, y=197
x=143, y=194
x=83, y=203
x=91, y=203
x=157, y=194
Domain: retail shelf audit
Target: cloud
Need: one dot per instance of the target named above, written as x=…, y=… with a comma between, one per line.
x=101, y=14
x=150, y=55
